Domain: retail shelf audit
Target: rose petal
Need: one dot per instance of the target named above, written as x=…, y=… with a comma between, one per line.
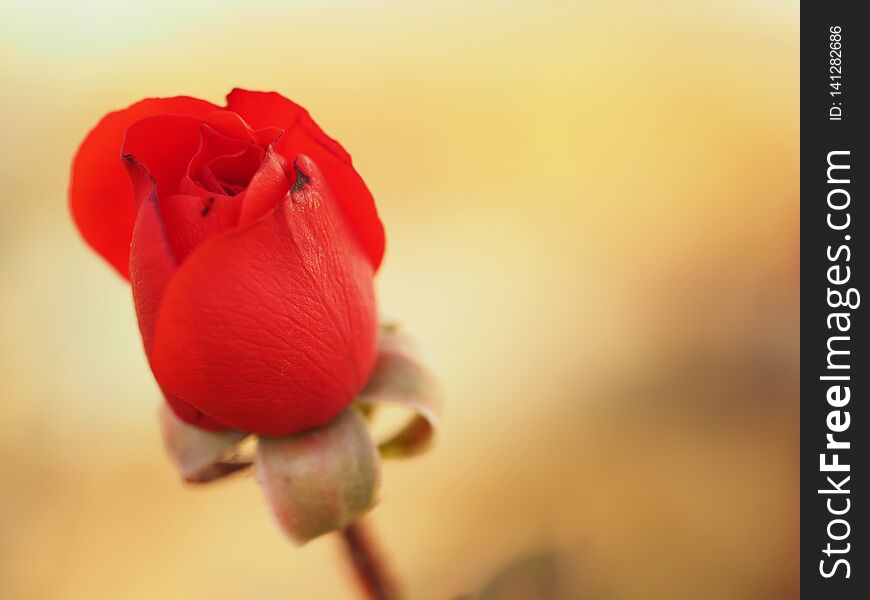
x=268, y=187
x=320, y=480
x=271, y=328
x=165, y=144
x=303, y=136
x=232, y=124
x=199, y=455
x=211, y=145
x=152, y=265
x=193, y=219
x=152, y=261
x=400, y=379
x=235, y=171
x=190, y=414
x=101, y=201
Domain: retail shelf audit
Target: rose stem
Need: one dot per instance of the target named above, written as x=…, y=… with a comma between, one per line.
x=371, y=572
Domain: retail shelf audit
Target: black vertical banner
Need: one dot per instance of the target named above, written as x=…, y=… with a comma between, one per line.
x=835, y=373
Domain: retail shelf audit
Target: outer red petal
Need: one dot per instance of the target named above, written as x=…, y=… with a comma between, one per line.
x=101, y=200
x=303, y=136
x=152, y=265
x=152, y=262
x=272, y=328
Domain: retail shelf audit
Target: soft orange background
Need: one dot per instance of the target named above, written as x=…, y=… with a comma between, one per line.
x=592, y=220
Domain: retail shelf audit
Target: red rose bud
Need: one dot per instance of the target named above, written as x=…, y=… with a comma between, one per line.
x=250, y=242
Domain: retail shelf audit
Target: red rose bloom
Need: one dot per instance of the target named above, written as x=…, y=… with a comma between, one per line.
x=250, y=243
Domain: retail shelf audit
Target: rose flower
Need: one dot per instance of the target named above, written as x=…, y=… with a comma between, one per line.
x=250, y=243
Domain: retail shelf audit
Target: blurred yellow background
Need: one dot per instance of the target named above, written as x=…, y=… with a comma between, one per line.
x=592, y=221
